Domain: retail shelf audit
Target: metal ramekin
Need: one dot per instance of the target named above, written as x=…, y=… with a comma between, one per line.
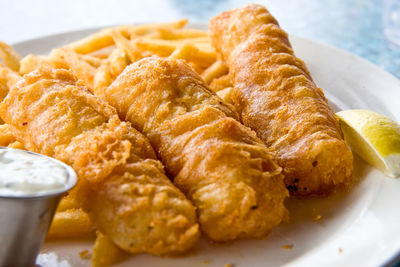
x=25, y=220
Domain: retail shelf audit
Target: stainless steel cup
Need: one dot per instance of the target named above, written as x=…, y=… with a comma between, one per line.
x=25, y=220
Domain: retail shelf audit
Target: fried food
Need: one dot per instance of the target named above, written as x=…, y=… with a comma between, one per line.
x=10, y=57
x=6, y=137
x=99, y=58
x=71, y=223
x=122, y=186
x=216, y=70
x=217, y=162
x=102, y=39
x=31, y=62
x=8, y=78
x=105, y=253
x=68, y=202
x=277, y=98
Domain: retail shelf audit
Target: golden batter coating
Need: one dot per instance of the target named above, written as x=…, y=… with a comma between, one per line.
x=217, y=162
x=8, y=78
x=6, y=137
x=121, y=186
x=277, y=98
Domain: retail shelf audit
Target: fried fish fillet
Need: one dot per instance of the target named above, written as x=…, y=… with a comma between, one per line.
x=121, y=186
x=217, y=162
x=277, y=98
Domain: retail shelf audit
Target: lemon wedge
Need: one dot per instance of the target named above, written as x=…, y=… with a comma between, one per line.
x=374, y=137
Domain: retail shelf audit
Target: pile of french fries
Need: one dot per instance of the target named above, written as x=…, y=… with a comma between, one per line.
x=97, y=60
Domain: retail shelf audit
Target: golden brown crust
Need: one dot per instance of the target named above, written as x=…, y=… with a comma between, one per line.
x=276, y=97
x=8, y=78
x=217, y=162
x=3, y=92
x=6, y=136
x=122, y=187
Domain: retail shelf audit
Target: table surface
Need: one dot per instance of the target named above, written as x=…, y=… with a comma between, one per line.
x=352, y=25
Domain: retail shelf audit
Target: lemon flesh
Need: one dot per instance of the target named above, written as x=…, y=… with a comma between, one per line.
x=374, y=137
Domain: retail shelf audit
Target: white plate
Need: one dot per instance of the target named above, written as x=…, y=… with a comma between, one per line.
x=358, y=228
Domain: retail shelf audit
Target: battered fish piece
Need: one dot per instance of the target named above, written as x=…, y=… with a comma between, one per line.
x=122, y=186
x=217, y=162
x=277, y=98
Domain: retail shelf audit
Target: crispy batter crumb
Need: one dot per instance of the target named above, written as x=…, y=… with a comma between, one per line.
x=340, y=250
x=317, y=217
x=85, y=255
x=288, y=247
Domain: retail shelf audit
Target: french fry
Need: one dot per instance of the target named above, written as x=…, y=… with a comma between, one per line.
x=8, y=77
x=102, y=79
x=186, y=51
x=32, y=62
x=125, y=44
x=10, y=57
x=159, y=47
x=6, y=137
x=103, y=38
x=93, y=61
x=204, y=42
x=105, y=252
x=128, y=47
x=103, y=53
x=118, y=61
x=98, y=40
x=171, y=33
x=195, y=67
x=220, y=83
x=82, y=69
x=163, y=48
x=68, y=202
x=150, y=28
x=17, y=145
x=92, y=42
x=181, y=35
x=72, y=223
x=217, y=69
x=170, y=45
x=225, y=95
x=204, y=58
x=56, y=58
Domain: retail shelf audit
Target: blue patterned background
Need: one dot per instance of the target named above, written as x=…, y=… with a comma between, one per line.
x=352, y=25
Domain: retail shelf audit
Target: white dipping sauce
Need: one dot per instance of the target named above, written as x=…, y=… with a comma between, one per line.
x=22, y=174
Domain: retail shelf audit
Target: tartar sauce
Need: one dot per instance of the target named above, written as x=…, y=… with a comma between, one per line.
x=22, y=173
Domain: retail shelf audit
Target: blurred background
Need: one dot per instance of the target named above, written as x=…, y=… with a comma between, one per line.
x=353, y=25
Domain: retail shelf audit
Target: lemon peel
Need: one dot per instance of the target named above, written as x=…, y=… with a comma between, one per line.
x=374, y=137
